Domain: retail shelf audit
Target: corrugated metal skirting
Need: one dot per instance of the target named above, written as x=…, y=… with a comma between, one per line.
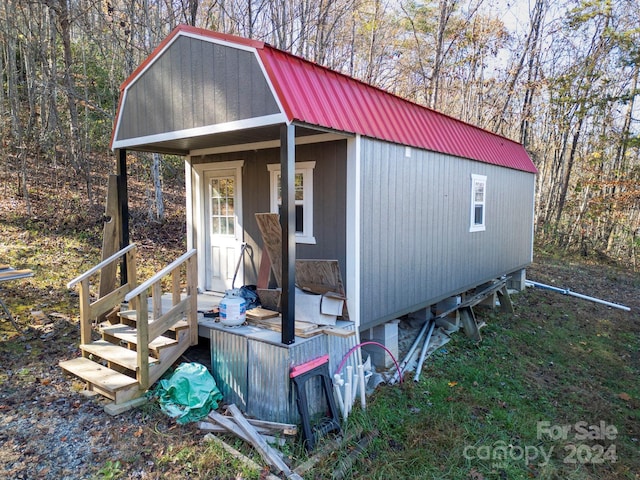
x=252, y=368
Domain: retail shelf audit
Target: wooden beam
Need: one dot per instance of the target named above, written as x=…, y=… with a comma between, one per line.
x=110, y=237
x=272, y=457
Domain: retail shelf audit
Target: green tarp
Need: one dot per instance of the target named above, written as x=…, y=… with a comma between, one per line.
x=189, y=394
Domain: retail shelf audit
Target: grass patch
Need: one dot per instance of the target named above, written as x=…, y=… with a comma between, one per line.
x=497, y=409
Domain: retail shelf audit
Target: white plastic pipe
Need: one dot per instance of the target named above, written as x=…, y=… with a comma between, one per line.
x=566, y=291
x=423, y=353
x=348, y=399
x=337, y=386
x=363, y=393
x=347, y=395
x=355, y=382
x=407, y=358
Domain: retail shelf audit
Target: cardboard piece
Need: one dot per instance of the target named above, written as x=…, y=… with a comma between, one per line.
x=322, y=309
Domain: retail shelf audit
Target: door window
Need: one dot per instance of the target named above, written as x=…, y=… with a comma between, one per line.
x=222, y=194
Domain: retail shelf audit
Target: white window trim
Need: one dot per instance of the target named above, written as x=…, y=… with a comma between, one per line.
x=478, y=227
x=306, y=169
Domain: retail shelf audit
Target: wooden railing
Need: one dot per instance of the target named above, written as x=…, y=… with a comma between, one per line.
x=91, y=311
x=181, y=307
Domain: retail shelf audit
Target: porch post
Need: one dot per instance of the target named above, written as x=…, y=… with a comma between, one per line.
x=288, y=224
x=123, y=207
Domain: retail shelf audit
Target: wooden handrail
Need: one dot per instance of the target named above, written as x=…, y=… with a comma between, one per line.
x=158, y=276
x=101, y=265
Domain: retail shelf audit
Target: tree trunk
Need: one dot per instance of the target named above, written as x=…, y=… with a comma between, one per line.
x=157, y=186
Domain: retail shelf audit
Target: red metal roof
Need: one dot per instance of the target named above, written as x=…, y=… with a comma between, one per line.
x=315, y=95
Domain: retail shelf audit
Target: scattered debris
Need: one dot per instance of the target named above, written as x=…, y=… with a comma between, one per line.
x=254, y=432
x=235, y=453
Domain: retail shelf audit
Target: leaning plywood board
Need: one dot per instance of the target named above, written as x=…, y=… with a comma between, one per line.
x=271, y=231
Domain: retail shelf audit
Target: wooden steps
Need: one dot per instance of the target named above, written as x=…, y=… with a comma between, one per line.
x=129, y=317
x=129, y=335
x=115, y=366
x=114, y=354
x=114, y=385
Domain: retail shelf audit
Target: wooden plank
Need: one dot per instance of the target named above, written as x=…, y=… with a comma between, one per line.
x=261, y=313
x=107, y=302
x=505, y=300
x=337, y=331
x=96, y=374
x=168, y=356
x=264, y=271
x=160, y=325
x=266, y=451
x=262, y=426
x=192, y=295
x=275, y=324
x=271, y=231
x=266, y=426
x=85, y=311
x=114, y=354
x=129, y=335
x=269, y=298
x=235, y=453
x=110, y=238
x=118, y=408
x=469, y=324
x=228, y=424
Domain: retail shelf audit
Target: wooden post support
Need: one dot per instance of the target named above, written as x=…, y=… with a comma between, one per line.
x=469, y=324
x=192, y=292
x=110, y=238
x=85, y=312
x=132, y=274
x=142, y=347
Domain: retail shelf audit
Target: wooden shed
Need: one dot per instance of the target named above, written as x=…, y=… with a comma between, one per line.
x=415, y=205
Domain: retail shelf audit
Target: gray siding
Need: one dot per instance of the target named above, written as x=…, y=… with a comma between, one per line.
x=193, y=84
x=329, y=198
x=416, y=246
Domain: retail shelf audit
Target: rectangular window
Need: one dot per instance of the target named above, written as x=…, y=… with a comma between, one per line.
x=478, y=202
x=303, y=198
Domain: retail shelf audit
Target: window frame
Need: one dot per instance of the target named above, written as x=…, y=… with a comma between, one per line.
x=476, y=180
x=306, y=170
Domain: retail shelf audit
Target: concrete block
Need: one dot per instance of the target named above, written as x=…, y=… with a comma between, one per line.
x=517, y=279
x=387, y=335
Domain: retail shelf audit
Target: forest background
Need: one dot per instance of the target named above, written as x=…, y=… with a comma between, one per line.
x=559, y=77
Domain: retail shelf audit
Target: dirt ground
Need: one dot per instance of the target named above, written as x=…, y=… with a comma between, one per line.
x=51, y=429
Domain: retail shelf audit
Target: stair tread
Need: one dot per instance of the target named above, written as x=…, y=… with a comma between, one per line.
x=115, y=353
x=129, y=334
x=132, y=316
x=98, y=375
